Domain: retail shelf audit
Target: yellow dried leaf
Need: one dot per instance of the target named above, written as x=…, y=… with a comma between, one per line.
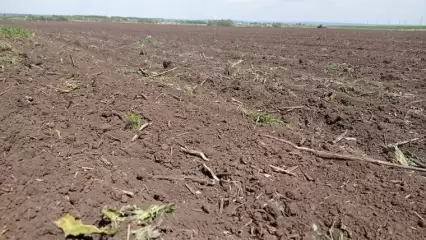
x=73, y=227
x=400, y=157
x=146, y=233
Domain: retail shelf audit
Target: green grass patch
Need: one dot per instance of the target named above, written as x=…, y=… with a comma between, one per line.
x=264, y=118
x=221, y=22
x=8, y=55
x=145, y=40
x=133, y=121
x=5, y=46
x=12, y=32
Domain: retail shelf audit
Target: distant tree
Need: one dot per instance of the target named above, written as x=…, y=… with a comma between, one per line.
x=221, y=22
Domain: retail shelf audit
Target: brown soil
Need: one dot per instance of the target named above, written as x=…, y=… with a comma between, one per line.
x=70, y=151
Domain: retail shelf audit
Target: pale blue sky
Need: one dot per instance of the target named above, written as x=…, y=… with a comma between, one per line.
x=355, y=11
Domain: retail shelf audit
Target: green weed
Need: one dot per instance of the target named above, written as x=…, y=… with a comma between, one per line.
x=221, y=22
x=8, y=54
x=12, y=32
x=341, y=69
x=264, y=118
x=5, y=46
x=133, y=121
x=145, y=40
x=346, y=102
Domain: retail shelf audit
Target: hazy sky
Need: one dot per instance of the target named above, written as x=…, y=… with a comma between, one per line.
x=359, y=11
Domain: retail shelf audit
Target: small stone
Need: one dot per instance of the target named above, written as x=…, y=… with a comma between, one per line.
x=50, y=124
x=381, y=126
x=292, y=209
x=421, y=223
x=64, y=190
x=124, y=198
x=206, y=209
x=159, y=197
x=104, y=127
x=350, y=188
x=139, y=177
x=273, y=210
x=164, y=147
x=293, y=195
x=326, y=147
x=73, y=197
x=268, y=236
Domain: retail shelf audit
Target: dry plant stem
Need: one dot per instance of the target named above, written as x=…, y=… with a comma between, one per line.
x=128, y=232
x=211, y=172
x=418, y=215
x=288, y=109
x=140, y=129
x=236, y=63
x=222, y=202
x=162, y=73
x=282, y=170
x=345, y=157
x=190, y=189
x=72, y=61
x=5, y=91
x=408, y=141
x=194, y=179
x=195, y=153
x=128, y=193
x=340, y=137
x=418, y=163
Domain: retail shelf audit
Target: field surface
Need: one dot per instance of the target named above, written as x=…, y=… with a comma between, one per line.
x=68, y=143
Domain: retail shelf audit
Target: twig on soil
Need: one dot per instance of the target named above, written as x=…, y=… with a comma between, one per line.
x=195, y=153
x=413, y=102
x=59, y=133
x=33, y=65
x=202, y=83
x=5, y=91
x=201, y=181
x=106, y=162
x=222, y=202
x=53, y=73
x=244, y=226
x=72, y=61
x=114, y=138
x=418, y=215
x=162, y=73
x=140, y=129
x=418, y=163
x=3, y=232
x=194, y=179
x=345, y=157
x=192, y=190
x=213, y=175
x=282, y=170
x=289, y=109
x=169, y=178
x=128, y=193
x=331, y=230
x=237, y=101
x=340, y=137
x=128, y=231
x=143, y=96
x=236, y=63
x=408, y=141
x=100, y=142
